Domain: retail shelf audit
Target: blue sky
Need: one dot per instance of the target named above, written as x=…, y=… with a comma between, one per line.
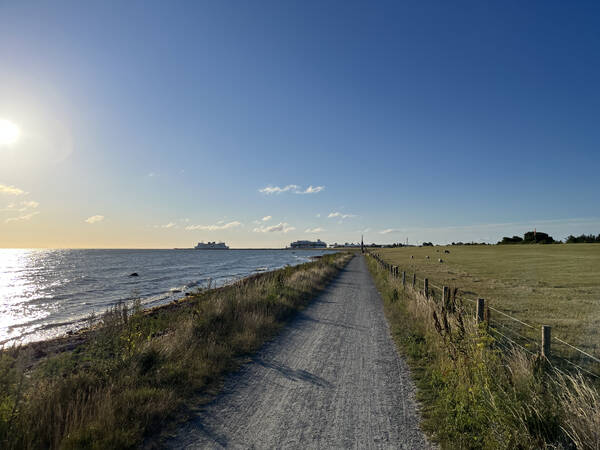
x=422, y=120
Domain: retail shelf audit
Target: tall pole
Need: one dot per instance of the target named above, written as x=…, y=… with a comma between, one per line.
x=362, y=244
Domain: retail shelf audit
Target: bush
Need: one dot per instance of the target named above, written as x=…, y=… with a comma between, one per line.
x=512, y=240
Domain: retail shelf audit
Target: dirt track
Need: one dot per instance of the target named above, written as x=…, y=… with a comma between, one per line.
x=331, y=379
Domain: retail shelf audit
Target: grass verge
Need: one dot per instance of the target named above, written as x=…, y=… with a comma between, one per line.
x=141, y=371
x=475, y=394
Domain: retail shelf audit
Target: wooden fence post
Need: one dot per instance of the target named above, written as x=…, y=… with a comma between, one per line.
x=546, y=336
x=426, y=290
x=414, y=279
x=403, y=279
x=445, y=295
x=480, y=309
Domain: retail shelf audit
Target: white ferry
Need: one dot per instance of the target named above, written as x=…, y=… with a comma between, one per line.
x=211, y=246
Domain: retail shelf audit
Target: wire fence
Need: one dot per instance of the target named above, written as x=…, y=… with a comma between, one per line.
x=509, y=332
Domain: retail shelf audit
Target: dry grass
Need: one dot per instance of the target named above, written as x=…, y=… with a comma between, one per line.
x=476, y=394
x=139, y=372
x=554, y=285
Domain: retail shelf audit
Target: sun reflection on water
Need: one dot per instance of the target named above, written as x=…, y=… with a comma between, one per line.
x=18, y=285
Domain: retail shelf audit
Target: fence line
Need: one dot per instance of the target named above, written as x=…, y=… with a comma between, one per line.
x=579, y=350
x=394, y=270
x=511, y=341
x=512, y=318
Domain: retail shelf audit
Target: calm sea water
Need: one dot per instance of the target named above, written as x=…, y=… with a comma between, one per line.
x=45, y=293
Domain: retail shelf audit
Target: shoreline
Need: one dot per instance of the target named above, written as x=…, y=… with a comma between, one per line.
x=143, y=371
x=71, y=339
x=67, y=320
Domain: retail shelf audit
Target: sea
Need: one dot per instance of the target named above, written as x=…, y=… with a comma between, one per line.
x=48, y=293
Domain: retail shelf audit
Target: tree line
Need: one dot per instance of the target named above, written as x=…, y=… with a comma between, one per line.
x=537, y=237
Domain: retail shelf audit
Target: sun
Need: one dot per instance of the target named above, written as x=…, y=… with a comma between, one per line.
x=9, y=132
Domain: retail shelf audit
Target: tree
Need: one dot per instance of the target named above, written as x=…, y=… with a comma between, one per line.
x=511, y=240
x=533, y=237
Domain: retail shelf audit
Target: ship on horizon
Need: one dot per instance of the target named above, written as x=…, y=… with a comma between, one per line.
x=211, y=246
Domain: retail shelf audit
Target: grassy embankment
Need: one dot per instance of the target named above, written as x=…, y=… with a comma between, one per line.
x=141, y=371
x=476, y=396
x=556, y=285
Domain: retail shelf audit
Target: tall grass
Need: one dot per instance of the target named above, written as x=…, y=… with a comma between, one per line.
x=476, y=394
x=138, y=371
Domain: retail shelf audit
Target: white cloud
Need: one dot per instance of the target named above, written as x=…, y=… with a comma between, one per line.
x=266, y=218
x=335, y=214
x=169, y=225
x=311, y=190
x=389, y=230
x=22, y=206
x=23, y=217
x=151, y=174
x=291, y=188
x=318, y=215
x=218, y=226
x=277, y=189
x=280, y=227
x=31, y=204
x=94, y=219
x=314, y=230
x=11, y=190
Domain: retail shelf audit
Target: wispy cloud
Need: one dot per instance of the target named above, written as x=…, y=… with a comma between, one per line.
x=389, y=230
x=314, y=230
x=23, y=217
x=266, y=218
x=22, y=206
x=94, y=219
x=169, y=225
x=11, y=190
x=283, y=227
x=218, y=226
x=294, y=188
x=278, y=190
x=31, y=204
x=334, y=214
x=311, y=190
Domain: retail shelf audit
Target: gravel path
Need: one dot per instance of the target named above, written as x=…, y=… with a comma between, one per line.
x=331, y=379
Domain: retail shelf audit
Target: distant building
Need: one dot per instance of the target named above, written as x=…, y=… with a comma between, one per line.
x=347, y=244
x=309, y=244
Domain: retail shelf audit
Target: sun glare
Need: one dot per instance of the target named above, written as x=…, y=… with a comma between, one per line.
x=9, y=132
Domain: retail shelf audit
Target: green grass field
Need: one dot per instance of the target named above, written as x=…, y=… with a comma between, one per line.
x=557, y=285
